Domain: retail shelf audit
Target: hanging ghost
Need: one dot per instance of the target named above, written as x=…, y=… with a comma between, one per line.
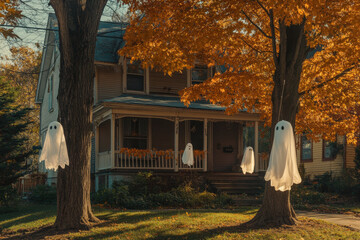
x=54, y=151
x=248, y=161
x=188, y=155
x=282, y=171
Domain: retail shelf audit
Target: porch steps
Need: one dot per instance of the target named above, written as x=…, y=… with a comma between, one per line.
x=236, y=183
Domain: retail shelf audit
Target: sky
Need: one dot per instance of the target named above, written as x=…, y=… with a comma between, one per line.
x=35, y=16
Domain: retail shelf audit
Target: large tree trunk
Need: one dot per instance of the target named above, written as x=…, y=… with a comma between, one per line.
x=276, y=208
x=78, y=24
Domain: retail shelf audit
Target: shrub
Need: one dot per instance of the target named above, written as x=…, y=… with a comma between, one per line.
x=301, y=195
x=8, y=199
x=343, y=184
x=43, y=194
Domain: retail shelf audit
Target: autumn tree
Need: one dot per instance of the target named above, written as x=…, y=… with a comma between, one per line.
x=287, y=60
x=21, y=68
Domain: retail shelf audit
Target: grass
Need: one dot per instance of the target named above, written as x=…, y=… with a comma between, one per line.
x=33, y=221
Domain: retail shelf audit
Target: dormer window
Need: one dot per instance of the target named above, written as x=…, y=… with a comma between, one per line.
x=199, y=74
x=135, y=80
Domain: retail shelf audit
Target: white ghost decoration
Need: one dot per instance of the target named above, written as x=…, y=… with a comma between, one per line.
x=248, y=161
x=54, y=151
x=283, y=171
x=188, y=155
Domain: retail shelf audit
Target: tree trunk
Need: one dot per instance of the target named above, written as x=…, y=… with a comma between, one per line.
x=78, y=24
x=276, y=209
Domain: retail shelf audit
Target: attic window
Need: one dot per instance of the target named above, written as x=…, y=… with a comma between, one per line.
x=134, y=76
x=199, y=74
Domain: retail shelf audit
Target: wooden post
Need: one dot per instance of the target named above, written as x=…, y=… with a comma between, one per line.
x=96, y=147
x=257, y=162
x=176, y=142
x=240, y=142
x=112, y=150
x=205, y=144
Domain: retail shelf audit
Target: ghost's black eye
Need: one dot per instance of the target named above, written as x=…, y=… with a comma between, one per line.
x=50, y=127
x=277, y=128
x=54, y=127
x=282, y=127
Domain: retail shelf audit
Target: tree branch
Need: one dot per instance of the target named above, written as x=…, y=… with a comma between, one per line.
x=327, y=81
x=262, y=31
x=253, y=48
x=273, y=38
x=262, y=6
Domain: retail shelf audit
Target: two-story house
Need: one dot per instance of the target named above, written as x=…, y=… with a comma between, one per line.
x=140, y=122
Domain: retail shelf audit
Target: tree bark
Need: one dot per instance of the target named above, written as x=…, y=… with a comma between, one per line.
x=276, y=209
x=78, y=25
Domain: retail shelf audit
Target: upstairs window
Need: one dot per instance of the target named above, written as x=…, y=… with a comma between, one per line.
x=134, y=76
x=199, y=74
x=329, y=150
x=306, y=149
x=135, y=132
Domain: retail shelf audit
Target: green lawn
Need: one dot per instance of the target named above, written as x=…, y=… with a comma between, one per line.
x=33, y=221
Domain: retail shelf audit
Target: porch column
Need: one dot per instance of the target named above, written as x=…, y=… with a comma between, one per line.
x=112, y=134
x=176, y=147
x=257, y=162
x=96, y=147
x=205, y=146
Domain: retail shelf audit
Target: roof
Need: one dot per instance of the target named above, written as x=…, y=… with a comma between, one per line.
x=109, y=40
x=163, y=101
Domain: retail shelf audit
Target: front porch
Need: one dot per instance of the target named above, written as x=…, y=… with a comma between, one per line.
x=157, y=143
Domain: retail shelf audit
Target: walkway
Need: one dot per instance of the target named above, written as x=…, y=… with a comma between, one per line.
x=340, y=219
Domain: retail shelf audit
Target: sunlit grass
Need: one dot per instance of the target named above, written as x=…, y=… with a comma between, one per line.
x=171, y=224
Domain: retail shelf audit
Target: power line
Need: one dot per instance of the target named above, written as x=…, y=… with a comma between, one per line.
x=101, y=34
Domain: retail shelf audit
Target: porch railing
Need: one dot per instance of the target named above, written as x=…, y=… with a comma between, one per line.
x=148, y=159
x=104, y=160
x=263, y=162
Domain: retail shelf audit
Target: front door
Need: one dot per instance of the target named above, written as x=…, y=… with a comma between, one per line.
x=225, y=146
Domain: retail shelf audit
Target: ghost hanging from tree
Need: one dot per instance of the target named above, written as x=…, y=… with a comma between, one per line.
x=248, y=161
x=283, y=171
x=54, y=151
x=188, y=155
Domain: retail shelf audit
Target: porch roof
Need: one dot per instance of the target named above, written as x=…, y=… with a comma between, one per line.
x=163, y=101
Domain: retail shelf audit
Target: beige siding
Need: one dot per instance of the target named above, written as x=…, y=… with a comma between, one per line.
x=160, y=83
x=318, y=166
x=350, y=156
x=108, y=82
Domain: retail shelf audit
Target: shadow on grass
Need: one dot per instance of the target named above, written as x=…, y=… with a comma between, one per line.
x=27, y=214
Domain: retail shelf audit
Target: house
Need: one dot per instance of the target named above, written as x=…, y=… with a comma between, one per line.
x=140, y=122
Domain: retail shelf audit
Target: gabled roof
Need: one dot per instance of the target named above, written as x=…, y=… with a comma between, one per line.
x=109, y=40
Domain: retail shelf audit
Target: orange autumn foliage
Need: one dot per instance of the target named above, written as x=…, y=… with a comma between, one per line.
x=9, y=14
x=244, y=36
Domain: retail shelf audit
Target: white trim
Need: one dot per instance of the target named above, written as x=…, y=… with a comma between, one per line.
x=176, y=143
x=256, y=146
x=112, y=134
x=205, y=145
x=147, y=80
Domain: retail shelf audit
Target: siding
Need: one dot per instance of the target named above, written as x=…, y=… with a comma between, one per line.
x=160, y=83
x=350, y=156
x=109, y=82
x=318, y=166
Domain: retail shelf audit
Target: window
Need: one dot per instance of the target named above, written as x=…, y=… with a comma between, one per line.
x=50, y=91
x=199, y=74
x=306, y=149
x=134, y=76
x=135, y=132
x=329, y=150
